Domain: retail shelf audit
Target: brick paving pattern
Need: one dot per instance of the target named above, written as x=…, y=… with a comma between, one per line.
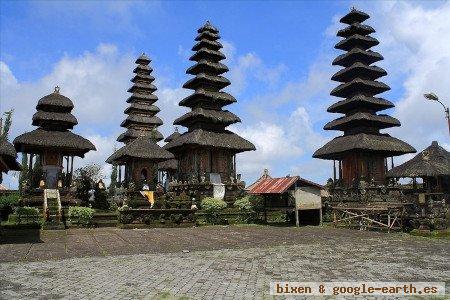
x=222, y=262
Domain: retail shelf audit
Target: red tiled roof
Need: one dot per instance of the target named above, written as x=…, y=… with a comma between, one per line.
x=278, y=185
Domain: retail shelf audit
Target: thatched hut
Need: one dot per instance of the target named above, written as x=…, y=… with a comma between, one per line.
x=53, y=142
x=432, y=165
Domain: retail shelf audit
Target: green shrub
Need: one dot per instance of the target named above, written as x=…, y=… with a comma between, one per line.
x=247, y=213
x=24, y=215
x=212, y=208
x=9, y=200
x=81, y=215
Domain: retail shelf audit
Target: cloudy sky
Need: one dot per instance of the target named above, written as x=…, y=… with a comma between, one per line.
x=279, y=55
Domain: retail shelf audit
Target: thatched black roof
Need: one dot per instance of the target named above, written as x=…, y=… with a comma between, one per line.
x=362, y=119
x=173, y=136
x=142, y=148
x=384, y=144
x=198, y=137
x=55, y=119
x=132, y=134
x=56, y=102
x=141, y=119
x=168, y=165
x=354, y=16
x=366, y=56
x=205, y=98
x=8, y=155
x=359, y=69
x=360, y=100
x=361, y=123
x=355, y=28
x=65, y=142
x=207, y=115
x=359, y=85
x=432, y=162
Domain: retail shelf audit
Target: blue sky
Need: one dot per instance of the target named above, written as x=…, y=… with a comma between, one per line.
x=279, y=54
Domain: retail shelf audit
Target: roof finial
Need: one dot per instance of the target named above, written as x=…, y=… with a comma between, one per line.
x=176, y=128
x=57, y=89
x=353, y=8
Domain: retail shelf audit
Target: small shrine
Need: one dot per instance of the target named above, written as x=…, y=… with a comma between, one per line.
x=138, y=159
x=206, y=153
x=52, y=145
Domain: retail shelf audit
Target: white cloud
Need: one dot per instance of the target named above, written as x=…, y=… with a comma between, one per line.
x=247, y=67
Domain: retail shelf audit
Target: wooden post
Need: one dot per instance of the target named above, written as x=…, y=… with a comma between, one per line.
x=334, y=170
x=234, y=166
x=334, y=219
x=120, y=174
x=297, y=221
x=340, y=169
x=71, y=169
x=389, y=221
x=320, y=215
x=392, y=162
x=265, y=209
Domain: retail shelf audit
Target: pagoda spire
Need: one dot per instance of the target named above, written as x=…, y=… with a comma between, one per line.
x=208, y=100
x=359, y=80
x=141, y=119
x=207, y=142
x=362, y=148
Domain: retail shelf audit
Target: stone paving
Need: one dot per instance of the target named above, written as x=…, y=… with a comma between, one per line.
x=239, y=262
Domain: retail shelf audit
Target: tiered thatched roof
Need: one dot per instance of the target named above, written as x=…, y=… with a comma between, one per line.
x=361, y=124
x=55, y=120
x=142, y=119
x=141, y=148
x=207, y=120
x=432, y=162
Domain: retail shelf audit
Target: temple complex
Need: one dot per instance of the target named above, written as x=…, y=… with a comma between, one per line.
x=362, y=152
x=53, y=143
x=141, y=153
x=206, y=153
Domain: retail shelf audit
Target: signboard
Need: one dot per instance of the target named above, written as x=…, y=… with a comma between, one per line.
x=305, y=199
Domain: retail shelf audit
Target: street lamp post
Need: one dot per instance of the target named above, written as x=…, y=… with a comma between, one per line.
x=434, y=97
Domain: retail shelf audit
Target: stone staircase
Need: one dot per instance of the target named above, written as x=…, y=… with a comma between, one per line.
x=52, y=210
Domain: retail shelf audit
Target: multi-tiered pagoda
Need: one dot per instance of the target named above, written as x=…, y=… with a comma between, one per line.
x=207, y=147
x=141, y=154
x=53, y=142
x=362, y=151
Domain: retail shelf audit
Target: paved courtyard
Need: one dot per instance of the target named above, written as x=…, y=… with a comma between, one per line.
x=235, y=262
